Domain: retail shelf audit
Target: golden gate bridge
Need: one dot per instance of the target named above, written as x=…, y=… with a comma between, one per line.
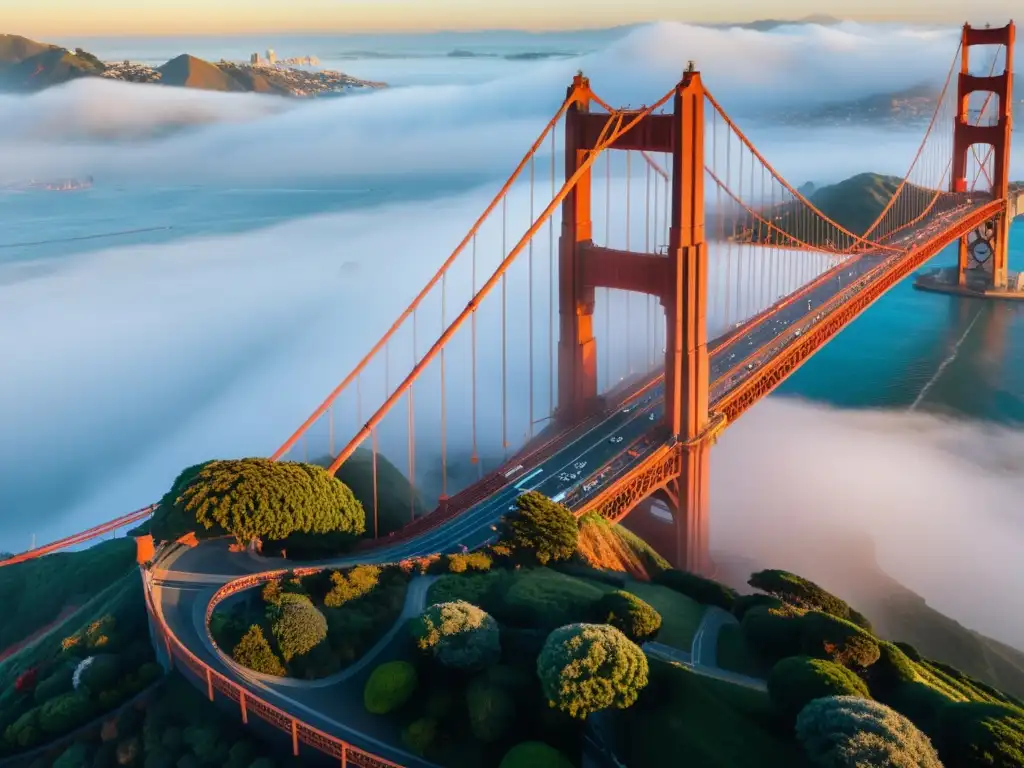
x=604, y=321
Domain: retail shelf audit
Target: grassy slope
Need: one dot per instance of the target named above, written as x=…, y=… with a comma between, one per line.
x=35, y=592
x=683, y=718
x=856, y=202
x=613, y=548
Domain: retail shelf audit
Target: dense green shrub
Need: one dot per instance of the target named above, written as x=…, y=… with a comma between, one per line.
x=65, y=713
x=892, y=669
x=543, y=527
x=542, y=598
x=101, y=673
x=57, y=682
x=351, y=584
x=297, y=625
x=171, y=521
x=580, y=571
x=420, y=735
x=253, y=651
x=534, y=754
x=25, y=731
x=912, y=653
x=805, y=594
x=259, y=498
x=974, y=734
x=706, y=591
x=744, y=603
x=389, y=686
x=851, y=732
x=492, y=712
x=798, y=680
x=271, y=593
x=468, y=561
x=919, y=702
x=826, y=636
x=584, y=668
x=635, y=618
x=520, y=646
x=775, y=632
x=459, y=635
x=375, y=480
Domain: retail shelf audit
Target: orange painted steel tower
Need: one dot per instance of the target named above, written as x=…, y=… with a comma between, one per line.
x=679, y=280
x=985, y=249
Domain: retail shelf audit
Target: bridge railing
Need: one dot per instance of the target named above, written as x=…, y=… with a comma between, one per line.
x=81, y=537
x=251, y=704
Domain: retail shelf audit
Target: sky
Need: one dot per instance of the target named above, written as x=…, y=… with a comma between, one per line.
x=109, y=17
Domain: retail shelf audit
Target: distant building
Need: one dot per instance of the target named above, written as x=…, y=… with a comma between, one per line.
x=271, y=56
x=254, y=59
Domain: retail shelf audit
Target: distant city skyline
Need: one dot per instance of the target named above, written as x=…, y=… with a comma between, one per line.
x=183, y=17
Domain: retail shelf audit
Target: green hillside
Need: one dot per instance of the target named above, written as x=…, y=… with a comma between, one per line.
x=854, y=204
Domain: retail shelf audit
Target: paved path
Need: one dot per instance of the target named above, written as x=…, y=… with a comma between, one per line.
x=702, y=658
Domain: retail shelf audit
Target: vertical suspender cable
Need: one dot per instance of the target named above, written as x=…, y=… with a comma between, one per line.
x=728, y=181
x=444, y=403
x=376, y=503
x=529, y=299
x=474, y=457
x=607, y=291
x=551, y=288
x=412, y=430
x=647, y=249
x=504, y=330
x=629, y=331
x=330, y=431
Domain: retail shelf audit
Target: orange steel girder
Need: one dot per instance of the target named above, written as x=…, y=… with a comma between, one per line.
x=678, y=280
x=797, y=352
x=998, y=136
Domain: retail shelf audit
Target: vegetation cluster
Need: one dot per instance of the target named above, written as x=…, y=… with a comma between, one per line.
x=65, y=681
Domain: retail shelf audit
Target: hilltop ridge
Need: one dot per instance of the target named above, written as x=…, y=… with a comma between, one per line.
x=28, y=66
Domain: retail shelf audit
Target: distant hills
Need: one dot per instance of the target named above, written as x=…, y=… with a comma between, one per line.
x=27, y=66
x=765, y=25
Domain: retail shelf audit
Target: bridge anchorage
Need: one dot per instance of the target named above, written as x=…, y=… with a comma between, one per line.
x=982, y=269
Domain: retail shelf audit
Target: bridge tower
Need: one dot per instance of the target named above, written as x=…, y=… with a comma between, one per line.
x=679, y=280
x=983, y=253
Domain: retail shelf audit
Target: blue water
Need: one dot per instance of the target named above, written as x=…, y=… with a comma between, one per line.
x=934, y=353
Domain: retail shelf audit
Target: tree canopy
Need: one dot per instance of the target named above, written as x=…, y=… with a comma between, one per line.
x=298, y=625
x=542, y=526
x=848, y=732
x=804, y=593
x=636, y=619
x=257, y=498
x=459, y=635
x=584, y=668
x=796, y=681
